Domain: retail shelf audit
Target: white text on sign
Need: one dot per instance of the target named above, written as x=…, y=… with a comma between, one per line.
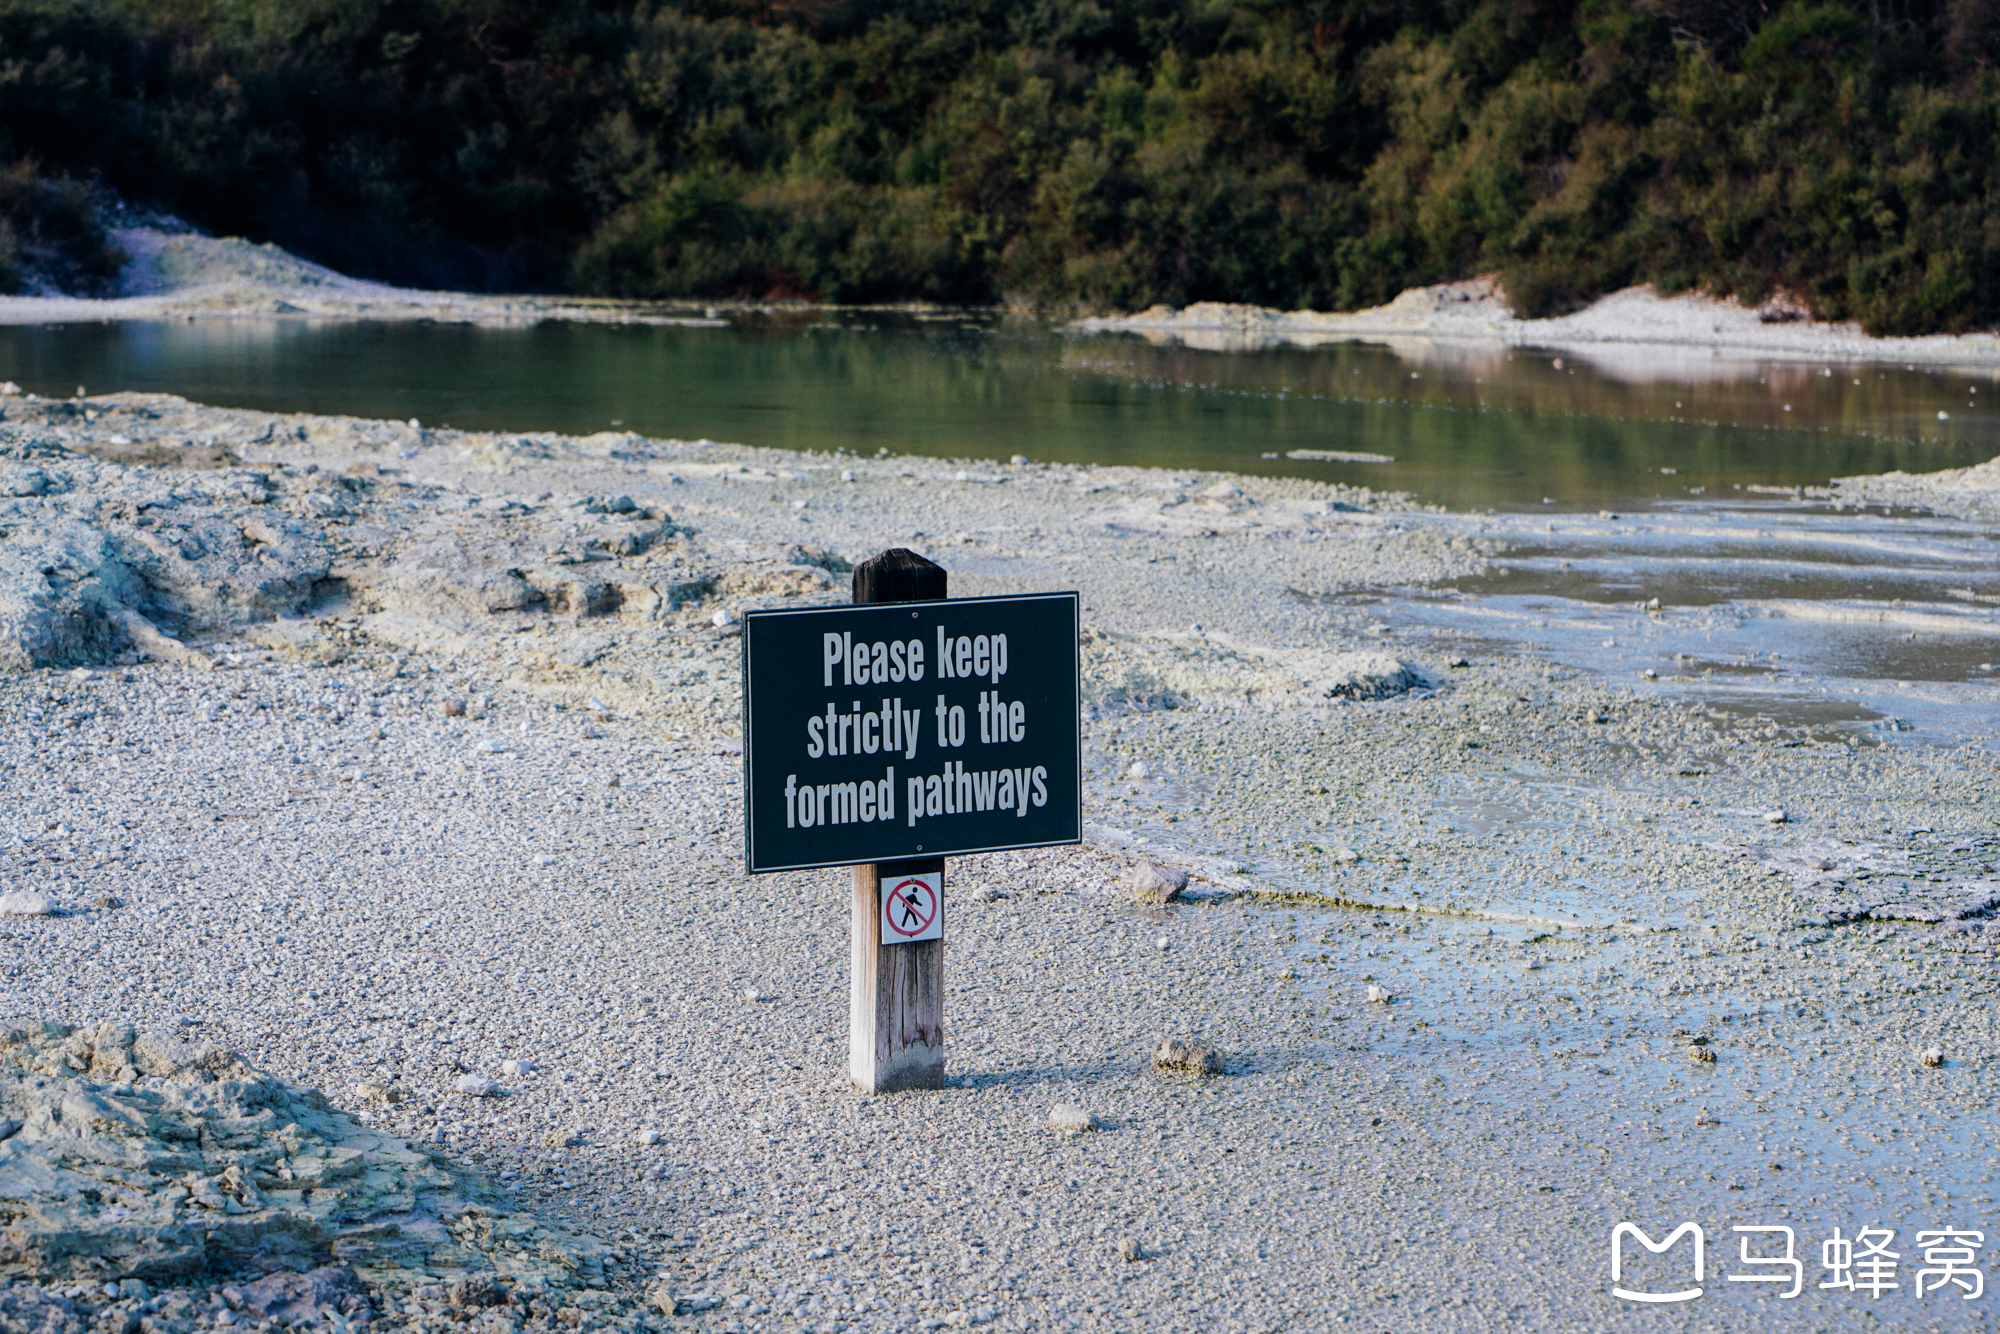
x=884, y=732
x=961, y=656
x=891, y=728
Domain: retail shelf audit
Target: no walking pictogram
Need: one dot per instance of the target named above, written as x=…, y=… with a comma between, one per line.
x=912, y=908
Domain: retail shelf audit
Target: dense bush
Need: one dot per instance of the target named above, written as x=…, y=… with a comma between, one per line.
x=1104, y=152
x=52, y=237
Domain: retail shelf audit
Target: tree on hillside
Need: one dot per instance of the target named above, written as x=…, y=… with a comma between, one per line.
x=1061, y=152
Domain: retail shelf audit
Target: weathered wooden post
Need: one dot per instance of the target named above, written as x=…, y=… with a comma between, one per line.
x=895, y=1002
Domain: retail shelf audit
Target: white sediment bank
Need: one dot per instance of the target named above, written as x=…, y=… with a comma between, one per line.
x=1637, y=331
x=180, y=274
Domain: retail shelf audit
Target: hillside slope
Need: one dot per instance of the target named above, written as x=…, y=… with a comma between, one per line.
x=1302, y=154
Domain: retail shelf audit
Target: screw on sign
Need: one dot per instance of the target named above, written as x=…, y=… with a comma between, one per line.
x=912, y=908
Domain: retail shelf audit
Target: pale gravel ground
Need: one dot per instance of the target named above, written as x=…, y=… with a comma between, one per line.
x=340, y=906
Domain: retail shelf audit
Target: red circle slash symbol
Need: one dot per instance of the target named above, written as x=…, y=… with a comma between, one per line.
x=911, y=909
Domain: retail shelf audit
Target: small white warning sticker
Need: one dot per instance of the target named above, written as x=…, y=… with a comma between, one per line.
x=912, y=908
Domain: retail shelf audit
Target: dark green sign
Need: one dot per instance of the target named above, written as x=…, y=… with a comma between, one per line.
x=910, y=729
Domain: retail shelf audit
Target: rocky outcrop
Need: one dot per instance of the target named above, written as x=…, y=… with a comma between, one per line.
x=211, y=567
x=137, y=526
x=1136, y=674
x=98, y=556
x=131, y=1156
x=132, y=524
x=61, y=584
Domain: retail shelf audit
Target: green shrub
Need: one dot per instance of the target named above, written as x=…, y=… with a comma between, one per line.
x=1070, y=152
x=52, y=237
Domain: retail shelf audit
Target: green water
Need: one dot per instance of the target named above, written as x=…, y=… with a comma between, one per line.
x=1505, y=428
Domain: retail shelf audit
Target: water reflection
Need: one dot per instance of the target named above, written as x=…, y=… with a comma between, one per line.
x=1467, y=426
